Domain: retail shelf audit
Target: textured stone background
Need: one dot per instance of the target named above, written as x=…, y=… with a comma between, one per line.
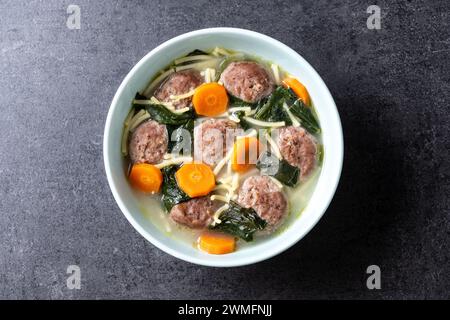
x=392, y=206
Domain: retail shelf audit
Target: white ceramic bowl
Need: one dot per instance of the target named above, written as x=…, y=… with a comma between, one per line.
x=252, y=43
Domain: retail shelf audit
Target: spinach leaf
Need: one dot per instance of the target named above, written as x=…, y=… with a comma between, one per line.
x=162, y=115
x=288, y=94
x=139, y=107
x=236, y=102
x=240, y=222
x=281, y=170
x=300, y=110
x=176, y=135
x=139, y=96
x=272, y=109
x=171, y=193
x=243, y=123
x=196, y=52
x=307, y=119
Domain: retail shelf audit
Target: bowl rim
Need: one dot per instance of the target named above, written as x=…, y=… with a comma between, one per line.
x=249, y=259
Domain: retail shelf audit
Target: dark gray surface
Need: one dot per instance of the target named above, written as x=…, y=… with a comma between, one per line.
x=392, y=206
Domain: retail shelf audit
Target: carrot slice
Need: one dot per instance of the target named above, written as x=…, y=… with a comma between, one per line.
x=195, y=179
x=146, y=177
x=210, y=99
x=245, y=153
x=216, y=243
x=299, y=89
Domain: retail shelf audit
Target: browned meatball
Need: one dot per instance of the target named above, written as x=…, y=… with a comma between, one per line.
x=212, y=140
x=195, y=213
x=148, y=142
x=266, y=198
x=177, y=83
x=298, y=148
x=247, y=81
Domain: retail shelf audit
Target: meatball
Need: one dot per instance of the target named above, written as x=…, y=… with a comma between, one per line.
x=212, y=139
x=266, y=198
x=195, y=213
x=177, y=83
x=148, y=142
x=298, y=148
x=247, y=81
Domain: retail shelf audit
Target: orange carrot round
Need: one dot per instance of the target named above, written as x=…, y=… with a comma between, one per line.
x=216, y=243
x=210, y=99
x=245, y=153
x=146, y=177
x=299, y=89
x=195, y=179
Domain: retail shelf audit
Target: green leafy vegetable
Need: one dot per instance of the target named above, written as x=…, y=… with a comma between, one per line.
x=242, y=122
x=307, y=119
x=176, y=135
x=289, y=95
x=240, y=222
x=139, y=107
x=163, y=115
x=272, y=109
x=236, y=102
x=171, y=193
x=196, y=52
x=281, y=170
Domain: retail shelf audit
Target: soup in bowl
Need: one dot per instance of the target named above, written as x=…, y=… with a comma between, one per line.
x=223, y=147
